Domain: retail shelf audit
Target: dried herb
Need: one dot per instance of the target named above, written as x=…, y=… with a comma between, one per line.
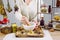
x=2, y=10
x=15, y=7
x=9, y=8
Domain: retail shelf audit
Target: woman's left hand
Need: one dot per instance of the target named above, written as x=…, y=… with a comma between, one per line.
x=35, y=22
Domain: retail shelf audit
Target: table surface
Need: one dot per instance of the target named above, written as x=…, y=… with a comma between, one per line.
x=11, y=36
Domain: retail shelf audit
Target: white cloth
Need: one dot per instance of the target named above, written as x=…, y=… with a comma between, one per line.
x=1, y=17
x=18, y=18
x=11, y=36
x=18, y=15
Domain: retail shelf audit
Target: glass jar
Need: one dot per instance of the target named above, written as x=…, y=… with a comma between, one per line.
x=57, y=17
x=44, y=9
x=58, y=3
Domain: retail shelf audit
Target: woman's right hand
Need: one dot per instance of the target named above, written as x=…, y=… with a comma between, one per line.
x=25, y=20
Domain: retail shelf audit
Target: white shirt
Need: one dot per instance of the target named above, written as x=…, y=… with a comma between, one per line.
x=30, y=11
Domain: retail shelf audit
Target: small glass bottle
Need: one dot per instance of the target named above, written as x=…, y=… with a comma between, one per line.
x=42, y=22
x=14, y=27
x=49, y=9
x=58, y=3
x=50, y=25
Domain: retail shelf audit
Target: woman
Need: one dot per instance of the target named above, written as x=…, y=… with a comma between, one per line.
x=29, y=9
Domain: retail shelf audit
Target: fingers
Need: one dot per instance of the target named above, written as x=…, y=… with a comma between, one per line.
x=25, y=20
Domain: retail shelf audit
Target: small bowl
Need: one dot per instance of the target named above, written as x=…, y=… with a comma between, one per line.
x=31, y=27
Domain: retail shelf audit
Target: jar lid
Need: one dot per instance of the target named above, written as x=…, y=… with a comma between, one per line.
x=14, y=25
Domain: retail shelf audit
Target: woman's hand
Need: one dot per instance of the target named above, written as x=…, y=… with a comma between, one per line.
x=37, y=24
x=25, y=20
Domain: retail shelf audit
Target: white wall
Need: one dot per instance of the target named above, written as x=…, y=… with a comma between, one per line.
x=54, y=10
x=11, y=15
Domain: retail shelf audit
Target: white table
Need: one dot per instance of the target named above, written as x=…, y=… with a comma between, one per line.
x=11, y=36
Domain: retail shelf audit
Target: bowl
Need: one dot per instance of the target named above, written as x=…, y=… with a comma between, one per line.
x=31, y=27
